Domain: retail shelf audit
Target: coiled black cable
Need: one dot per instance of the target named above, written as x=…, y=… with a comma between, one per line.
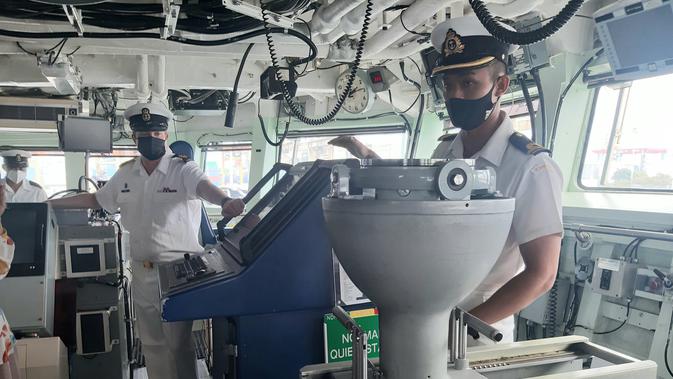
x=341, y=98
x=552, y=306
x=524, y=38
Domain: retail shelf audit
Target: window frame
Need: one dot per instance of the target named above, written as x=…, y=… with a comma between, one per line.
x=585, y=147
x=321, y=133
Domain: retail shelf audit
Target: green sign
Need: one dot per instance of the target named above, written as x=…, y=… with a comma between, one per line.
x=338, y=342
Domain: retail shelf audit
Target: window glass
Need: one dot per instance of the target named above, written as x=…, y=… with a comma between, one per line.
x=46, y=169
x=305, y=149
x=629, y=145
x=228, y=167
x=518, y=112
x=103, y=166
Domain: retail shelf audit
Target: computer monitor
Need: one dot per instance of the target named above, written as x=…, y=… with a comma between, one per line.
x=85, y=134
x=27, y=226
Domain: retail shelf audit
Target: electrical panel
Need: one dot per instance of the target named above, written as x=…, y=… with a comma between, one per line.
x=529, y=57
x=380, y=78
x=198, y=102
x=429, y=57
x=614, y=278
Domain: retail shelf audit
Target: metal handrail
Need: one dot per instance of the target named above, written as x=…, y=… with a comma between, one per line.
x=619, y=231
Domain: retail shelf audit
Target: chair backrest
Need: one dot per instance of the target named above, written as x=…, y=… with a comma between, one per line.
x=183, y=148
x=207, y=234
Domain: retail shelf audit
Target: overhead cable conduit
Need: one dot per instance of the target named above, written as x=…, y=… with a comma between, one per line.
x=524, y=38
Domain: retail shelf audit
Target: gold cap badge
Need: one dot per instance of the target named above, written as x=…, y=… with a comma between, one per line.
x=453, y=43
x=146, y=114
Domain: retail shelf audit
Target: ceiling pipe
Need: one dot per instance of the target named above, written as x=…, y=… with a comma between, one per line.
x=143, y=80
x=400, y=52
x=419, y=12
x=351, y=23
x=514, y=8
x=328, y=17
x=158, y=85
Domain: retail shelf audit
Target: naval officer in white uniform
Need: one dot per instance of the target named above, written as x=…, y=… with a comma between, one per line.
x=17, y=188
x=155, y=194
x=472, y=69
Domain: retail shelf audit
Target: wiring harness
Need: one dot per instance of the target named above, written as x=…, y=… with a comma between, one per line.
x=202, y=17
x=524, y=38
x=295, y=108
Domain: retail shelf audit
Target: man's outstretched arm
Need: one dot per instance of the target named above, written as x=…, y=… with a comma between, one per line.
x=81, y=201
x=355, y=147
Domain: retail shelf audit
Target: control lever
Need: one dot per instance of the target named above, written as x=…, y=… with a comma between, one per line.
x=462, y=324
x=359, y=338
x=479, y=327
x=668, y=284
x=278, y=167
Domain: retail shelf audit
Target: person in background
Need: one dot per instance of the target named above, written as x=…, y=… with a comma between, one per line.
x=17, y=188
x=154, y=194
x=472, y=68
x=8, y=365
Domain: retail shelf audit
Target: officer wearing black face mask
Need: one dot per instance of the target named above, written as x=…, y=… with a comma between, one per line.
x=472, y=71
x=158, y=196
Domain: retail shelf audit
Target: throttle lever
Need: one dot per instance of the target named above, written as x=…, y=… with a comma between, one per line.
x=222, y=224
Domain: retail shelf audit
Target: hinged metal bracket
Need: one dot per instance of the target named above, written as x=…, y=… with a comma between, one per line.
x=255, y=12
x=75, y=18
x=171, y=13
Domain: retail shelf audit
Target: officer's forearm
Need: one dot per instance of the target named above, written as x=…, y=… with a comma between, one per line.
x=208, y=192
x=515, y=295
x=81, y=201
x=541, y=259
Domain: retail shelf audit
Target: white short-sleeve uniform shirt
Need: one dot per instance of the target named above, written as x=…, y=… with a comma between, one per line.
x=28, y=192
x=535, y=181
x=161, y=211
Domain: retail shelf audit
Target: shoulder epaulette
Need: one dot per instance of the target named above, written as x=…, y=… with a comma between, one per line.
x=35, y=184
x=183, y=157
x=127, y=162
x=447, y=137
x=525, y=145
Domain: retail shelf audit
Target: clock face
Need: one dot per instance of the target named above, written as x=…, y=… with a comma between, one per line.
x=360, y=98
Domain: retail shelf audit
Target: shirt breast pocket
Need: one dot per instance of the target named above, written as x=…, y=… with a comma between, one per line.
x=126, y=198
x=168, y=197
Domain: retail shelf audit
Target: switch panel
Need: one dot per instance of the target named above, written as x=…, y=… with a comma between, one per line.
x=614, y=278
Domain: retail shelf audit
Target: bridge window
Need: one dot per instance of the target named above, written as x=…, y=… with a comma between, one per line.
x=518, y=113
x=303, y=147
x=46, y=168
x=630, y=139
x=228, y=167
x=103, y=166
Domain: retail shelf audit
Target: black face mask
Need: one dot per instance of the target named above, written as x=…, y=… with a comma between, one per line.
x=151, y=148
x=470, y=114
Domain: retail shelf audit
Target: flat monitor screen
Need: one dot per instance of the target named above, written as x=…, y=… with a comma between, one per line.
x=26, y=226
x=82, y=134
x=641, y=38
x=21, y=228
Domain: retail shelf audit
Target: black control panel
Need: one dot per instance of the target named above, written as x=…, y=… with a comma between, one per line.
x=192, y=268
